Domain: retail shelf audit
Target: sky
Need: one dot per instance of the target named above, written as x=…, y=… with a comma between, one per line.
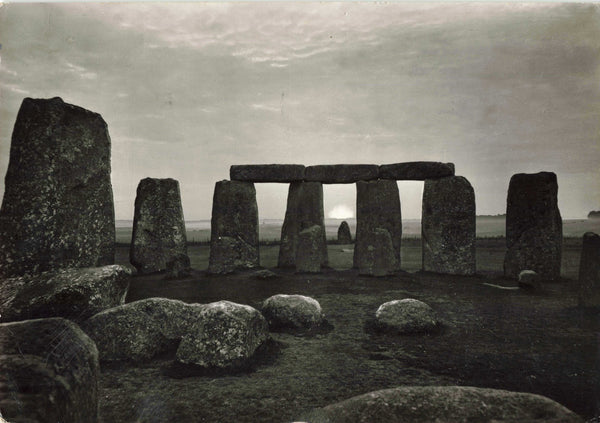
x=188, y=89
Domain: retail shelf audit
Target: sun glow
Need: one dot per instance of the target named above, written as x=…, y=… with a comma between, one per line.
x=341, y=211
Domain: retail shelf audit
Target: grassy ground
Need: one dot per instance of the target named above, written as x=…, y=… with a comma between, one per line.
x=535, y=342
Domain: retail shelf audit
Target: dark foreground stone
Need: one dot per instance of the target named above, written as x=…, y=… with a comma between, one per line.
x=75, y=294
x=589, y=271
x=416, y=171
x=448, y=226
x=341, y=173
x=267, y=173
x=533, y=226
x=158, y=227
x=343, y=235
x=48, y=372
x=234, y=228
x=443, y=404
x=57, y=210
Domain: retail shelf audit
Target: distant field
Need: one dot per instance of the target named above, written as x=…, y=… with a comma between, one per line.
x=270, y=230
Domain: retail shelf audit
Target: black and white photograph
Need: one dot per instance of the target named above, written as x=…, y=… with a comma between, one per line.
x=299, y=211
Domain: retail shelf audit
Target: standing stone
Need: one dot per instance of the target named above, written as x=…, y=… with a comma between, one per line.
x=448, y=226
x=234, y=228
x=533, y=226
x=378, y=255
x=57, y=210
x=589, y=271
x=308, y=252
x=304, y=209
x=158, y=226
x=377, y=206
x=344, y=235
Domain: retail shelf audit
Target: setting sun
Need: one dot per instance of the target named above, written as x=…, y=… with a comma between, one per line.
x=341, y=211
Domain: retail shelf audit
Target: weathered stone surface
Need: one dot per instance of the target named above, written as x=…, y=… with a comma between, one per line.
x=344, y=235
x=158, y=226
x=528, y=279
x=304, y=209
x=444, y=404
x=406, y=316
x=533, y=226
x=378, y=255
x=292, y=311
x=341, y=173
x=234, y=228
x=589, y=271
x=57, y=210
x=178, y=267
x=377, y=206
x=264, y=274
x=309, y=250
x=448, y=226
x=416, y=171
x=267, y=173
x=75, y=294
x=48, y=372
x=142, y=329
x=225, y=336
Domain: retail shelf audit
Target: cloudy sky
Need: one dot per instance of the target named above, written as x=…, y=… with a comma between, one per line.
x=189, y=89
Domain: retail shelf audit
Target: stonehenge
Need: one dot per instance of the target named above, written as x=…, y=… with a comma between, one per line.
x=589, y=271
x=343, y=235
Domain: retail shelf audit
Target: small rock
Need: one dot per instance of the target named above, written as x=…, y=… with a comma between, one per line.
x=264, y=274
x=292, y=311
x=308, y=252
x=406, y=316
x=225, y=337
x=344, y=235
x=528, y=279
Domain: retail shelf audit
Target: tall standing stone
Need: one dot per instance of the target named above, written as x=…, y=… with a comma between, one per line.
x=234, y=227
x=448, y=226
x=57, y=210
x=377, y=206
x=533, y=226
x=378, y=257
x=304, y=209
x=308, y=251
x=589, y=271
x=158, y=226
x=344, y=235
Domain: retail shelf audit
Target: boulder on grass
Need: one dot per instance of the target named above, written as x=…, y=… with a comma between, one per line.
x=75, y=294
x=142, y=329
x=292, y=311
x=444, y=404
x=48, y=372
x=407, y=316
x=528, y=279
x=225, y=337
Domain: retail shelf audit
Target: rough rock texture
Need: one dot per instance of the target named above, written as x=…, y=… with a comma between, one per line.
x=304, y=209
x=589, y=271
x=378, y=255
x=267, y=173
x=158, y=226
x=292, y=311
x=178, y=267
x=234, y=228
x=225, y=336
x=75, y=294
x=343, y=234
x=448, y=226
x=309, y=251
x=533, y=226
x=142, y=329
x=377, y=206
x=57, y=210
x=528, y=279
x=406, y=316
x=48, y=372
x=444, y=404
x=416, y=171
x=341, y=173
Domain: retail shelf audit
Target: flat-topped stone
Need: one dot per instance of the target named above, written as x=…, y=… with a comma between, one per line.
x=267, y=173
x=341, y=173
x=416, y=171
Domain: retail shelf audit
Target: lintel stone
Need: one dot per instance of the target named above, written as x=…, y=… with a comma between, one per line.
x=341, y=173
x=267, y=173
x=416, y=171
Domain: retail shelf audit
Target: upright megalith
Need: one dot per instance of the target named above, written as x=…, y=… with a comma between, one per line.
x=343, y=234
x=234, y=228
x=158, y=226
x=304, y=209
x=378, y=257
x=533, y=226
x=448, y=226
x=57, y=210
x=377, y=206
x=308, y=252
x=589, y=271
